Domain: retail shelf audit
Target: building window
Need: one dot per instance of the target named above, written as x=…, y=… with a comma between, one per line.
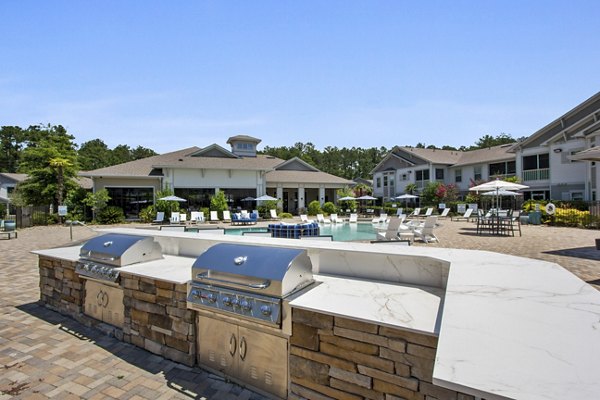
x=537, y=161
x=404, y=177
x=378, y=181
x=458, y=175
x=503, y=168
x=439, y=174
x=477, y=173
x=577, y=196
x=385, y=180
x=422, y=175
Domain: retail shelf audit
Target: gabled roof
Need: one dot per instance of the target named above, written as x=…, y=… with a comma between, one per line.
x=434, y=156
x=295, y=164
x=214, y=150
x=571, y=123
x=258, y=163
x=139, y=168
x=592, y=154
x=243, y=138
x=14, y=177
x=487, y=155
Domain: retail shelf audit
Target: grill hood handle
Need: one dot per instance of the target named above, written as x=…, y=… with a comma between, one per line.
x=260, y=285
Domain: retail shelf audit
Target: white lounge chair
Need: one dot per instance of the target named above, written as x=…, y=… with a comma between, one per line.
x=391, y=233
x=323, y=220
x=416, y=213
x=196, y=217
x=335, y=220
x=428, y=212
x=182, y=218
x=426, y=232
x=304, y=218
x=399, y=212
x=175, y=217
x=353, y=218
x=466, y=216
x=214, y=217
x=382, y=219
x=273, y=214
x=444, y=213
x=226, y=216
x=160, y=217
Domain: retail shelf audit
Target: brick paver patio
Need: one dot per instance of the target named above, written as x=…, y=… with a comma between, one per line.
x=45, y=355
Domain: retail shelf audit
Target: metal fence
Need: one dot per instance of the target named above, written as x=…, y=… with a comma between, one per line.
x=32, y=215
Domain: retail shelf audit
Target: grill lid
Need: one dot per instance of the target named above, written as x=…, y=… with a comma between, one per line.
x=120, y=250
x=271, y=270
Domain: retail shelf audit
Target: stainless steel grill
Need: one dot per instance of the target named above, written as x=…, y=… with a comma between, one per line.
x=100, y=257
x=249, y=281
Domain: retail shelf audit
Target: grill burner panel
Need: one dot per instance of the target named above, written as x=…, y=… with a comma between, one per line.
x=97, y=271
x=263, y=308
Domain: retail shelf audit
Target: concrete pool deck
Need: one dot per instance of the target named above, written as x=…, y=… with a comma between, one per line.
x=46, y=355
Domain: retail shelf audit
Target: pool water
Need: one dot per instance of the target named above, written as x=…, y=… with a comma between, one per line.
x=340, y=232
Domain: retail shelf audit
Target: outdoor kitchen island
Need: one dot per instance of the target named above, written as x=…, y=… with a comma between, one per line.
x=383, y=322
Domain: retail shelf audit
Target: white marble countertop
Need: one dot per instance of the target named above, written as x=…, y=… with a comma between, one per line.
x=510, y=328
x=410, y=307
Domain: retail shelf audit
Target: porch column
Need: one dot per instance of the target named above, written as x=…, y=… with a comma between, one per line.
x=321, y=195
x=301, y=197
x=279, y=195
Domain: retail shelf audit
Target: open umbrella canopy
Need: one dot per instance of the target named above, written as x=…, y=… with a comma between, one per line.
x=172, y=198
x=346, y=198
x=501, y=193
x=366, y=197
x=497, y=185
x=406, y=196
x=249, y=198
x=265, y=197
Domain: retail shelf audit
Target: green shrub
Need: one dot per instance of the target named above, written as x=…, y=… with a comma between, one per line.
x=265, y=206
x=285, y=215
x=148, y=214
x=110, y=215
x=218, y=203
x=314, y=208
x=329, y=208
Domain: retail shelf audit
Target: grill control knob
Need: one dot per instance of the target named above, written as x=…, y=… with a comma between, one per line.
x=212, y=297
x=227, y=301
x=246, y=305
x=265, y=310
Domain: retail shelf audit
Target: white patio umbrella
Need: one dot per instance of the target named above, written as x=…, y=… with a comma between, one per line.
x=172, y=198
x=366, y=197
x=406, y=197
x=265, y=197
x=346, y=198
x=496, y=186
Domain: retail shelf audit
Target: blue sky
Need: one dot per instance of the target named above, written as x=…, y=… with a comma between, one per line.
x=168, y=75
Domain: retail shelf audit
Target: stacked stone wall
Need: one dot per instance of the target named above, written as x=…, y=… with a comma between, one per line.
x=156, y=318
x=61, y=289
x=339, y=358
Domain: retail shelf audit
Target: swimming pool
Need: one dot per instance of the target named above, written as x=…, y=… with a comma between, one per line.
x=340, y=232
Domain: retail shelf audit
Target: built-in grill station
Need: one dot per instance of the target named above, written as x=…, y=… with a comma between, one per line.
x=101, y=257
x=99, y=261
x=240, y=293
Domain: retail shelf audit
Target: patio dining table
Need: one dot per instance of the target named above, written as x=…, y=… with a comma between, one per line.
x=496, y=222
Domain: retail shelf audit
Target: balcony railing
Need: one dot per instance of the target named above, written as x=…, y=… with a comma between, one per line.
x=536, y=174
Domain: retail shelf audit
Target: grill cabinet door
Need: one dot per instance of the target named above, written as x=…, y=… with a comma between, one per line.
x=218, y=345
x=263, y=361
x=114, y=309
x=104, y=303
x=93, y=299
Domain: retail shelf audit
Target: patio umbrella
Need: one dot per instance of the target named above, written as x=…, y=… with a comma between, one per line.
x=172, y=198
x=346, y=198
x=406, y=197
x=496, y=186
x=249, y=198
x=366, y=197
x=265, y=197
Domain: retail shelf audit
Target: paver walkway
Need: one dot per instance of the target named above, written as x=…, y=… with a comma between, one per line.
x=45, y=355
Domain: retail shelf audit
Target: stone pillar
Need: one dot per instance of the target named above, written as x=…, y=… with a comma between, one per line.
x=279, y=195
